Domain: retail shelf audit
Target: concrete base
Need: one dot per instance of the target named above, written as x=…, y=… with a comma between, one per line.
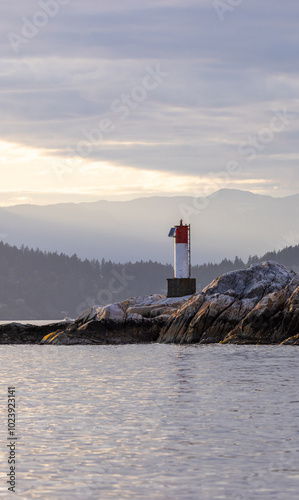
x=179, y=287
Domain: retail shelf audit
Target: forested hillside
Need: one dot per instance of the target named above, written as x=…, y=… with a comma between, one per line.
x=48, y=285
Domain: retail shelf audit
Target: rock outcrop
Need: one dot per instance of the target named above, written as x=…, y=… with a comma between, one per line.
x=250, y=306
x=137, y=320
x=17, y=333
x=257, y=305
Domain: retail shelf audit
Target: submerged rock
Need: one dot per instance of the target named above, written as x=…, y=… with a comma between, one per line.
x=257, y=305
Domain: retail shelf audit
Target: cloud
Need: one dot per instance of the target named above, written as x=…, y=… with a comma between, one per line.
x=225, y=79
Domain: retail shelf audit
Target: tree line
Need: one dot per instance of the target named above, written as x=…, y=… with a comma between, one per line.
x=48, y=285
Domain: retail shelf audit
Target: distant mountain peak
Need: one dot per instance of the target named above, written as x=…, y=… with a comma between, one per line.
x=236, y=193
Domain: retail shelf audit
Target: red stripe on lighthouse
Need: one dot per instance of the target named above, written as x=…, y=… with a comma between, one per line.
x=181, y=235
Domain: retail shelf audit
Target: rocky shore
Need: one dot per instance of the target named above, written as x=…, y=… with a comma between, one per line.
x=257, y=305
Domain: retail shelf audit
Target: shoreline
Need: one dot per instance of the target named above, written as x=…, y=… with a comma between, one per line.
x=256, y=305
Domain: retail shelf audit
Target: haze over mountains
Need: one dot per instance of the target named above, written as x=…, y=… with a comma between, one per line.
x=225, y=224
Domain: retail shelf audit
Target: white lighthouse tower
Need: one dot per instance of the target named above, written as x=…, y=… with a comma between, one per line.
x=181, y=235
x=182, y=284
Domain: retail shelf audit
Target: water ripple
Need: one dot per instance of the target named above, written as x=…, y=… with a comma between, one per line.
x=154, y=421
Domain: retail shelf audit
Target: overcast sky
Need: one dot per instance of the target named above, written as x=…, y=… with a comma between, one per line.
x=121, y=99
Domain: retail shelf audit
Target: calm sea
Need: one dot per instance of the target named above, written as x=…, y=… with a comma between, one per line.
x=153, y=422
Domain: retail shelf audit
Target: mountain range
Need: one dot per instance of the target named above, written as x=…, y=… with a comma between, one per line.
x=226, y=223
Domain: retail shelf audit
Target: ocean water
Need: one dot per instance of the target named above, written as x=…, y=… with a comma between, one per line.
x=152, y=422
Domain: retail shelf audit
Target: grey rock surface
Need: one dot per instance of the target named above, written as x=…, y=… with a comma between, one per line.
x=257, y=305
x=254, y=305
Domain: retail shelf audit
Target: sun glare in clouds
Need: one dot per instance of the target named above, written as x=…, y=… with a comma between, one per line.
x=22, y=166
x=29, y=169
x=33, y=172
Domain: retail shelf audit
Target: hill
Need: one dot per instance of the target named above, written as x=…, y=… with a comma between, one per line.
x=48, y=285
x=227, y=223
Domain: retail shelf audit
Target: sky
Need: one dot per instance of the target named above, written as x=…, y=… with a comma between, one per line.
x=124, y=99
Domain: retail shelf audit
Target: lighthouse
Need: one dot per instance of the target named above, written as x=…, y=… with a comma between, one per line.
x=182, y=284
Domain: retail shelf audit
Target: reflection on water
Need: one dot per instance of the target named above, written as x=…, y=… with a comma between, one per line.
x=155, y=421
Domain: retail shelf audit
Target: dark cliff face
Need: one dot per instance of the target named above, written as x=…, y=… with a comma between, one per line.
x=257, y=305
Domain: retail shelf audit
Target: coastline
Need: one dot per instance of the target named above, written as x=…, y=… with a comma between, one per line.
x=34, y=322
x=256, y=305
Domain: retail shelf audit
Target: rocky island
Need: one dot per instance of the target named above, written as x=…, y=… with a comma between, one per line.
x=257, y=305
